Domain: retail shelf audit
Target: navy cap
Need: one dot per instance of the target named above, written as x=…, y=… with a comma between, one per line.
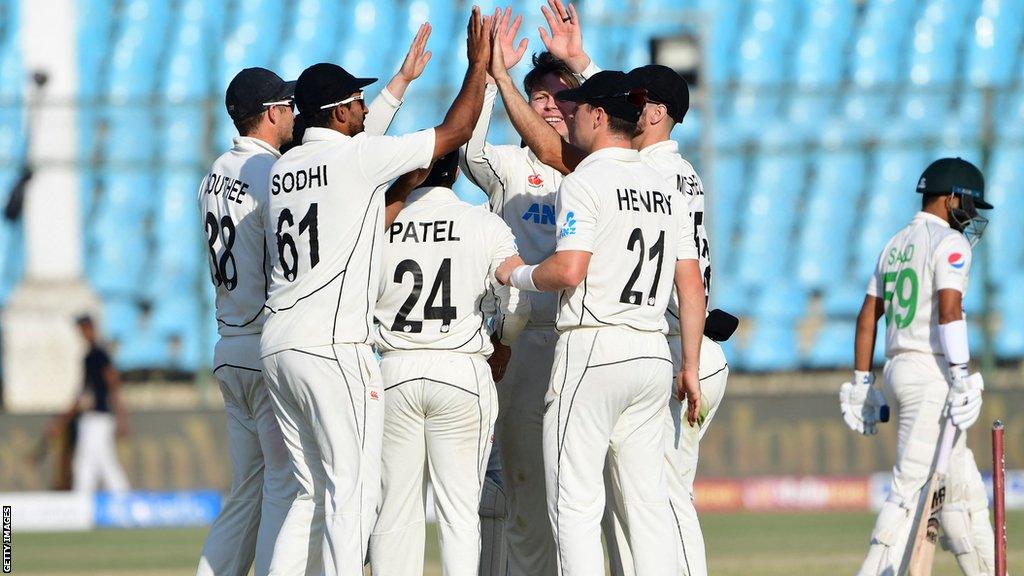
x=954, y=176
x=324, y=83
x=664, y=86
x=251, y=89
x=610, y=90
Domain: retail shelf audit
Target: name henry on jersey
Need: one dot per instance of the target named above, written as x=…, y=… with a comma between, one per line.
x=416, y=232
x=232, y=188
x=644, y=201
x=299, y=180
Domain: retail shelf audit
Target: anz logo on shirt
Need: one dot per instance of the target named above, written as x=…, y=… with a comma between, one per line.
x=540, y=214
x=569, y=228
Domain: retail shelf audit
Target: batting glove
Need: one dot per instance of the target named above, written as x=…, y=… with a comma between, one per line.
x=863, y=406
x=964, y=401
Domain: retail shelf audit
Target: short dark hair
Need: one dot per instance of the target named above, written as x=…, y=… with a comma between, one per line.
x=620, y=126
x=927, y=199
x=444, y=172
x=248, y=125
x=318, y=118
x=546, y=63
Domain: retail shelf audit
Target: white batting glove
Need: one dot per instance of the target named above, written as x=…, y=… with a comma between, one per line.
x=863, y=406
x=964, y=401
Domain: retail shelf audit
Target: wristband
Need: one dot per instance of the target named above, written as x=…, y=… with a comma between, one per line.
x=522, y=278
x=953, y=337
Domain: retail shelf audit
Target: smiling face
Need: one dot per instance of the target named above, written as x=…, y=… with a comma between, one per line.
x=554, y=112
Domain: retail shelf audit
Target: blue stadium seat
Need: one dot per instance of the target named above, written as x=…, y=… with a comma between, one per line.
x=120, y=318
x=369, y=38
x=142, y=349
x=820, y=59
x=1003, y=239
x=833, y=346
x=12, y=243
x=311, y=37
x=727, y=18
x=769, y=218
x=937, y=40
x=174, y=270
x=724, y=199
x=772, y=347
x=844, y=300
x=991, y=54
x=829, y=214
x=1009, y=340
x=776, y=301
x=877, y=65
x=730, y=295
x=12, y=83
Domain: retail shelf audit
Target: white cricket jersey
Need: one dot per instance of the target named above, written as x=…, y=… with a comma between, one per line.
x=665, y=158
x=232, y=203
x=438, y=265
x=324, y=229
x=619, y=209
x=521, y=189
x=923, y=258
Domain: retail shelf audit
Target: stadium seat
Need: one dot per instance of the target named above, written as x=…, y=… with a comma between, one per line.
x=1003, y=239
x=833, y=346
x=141, y=350
x=938, y=38
x=772, y=347
x=120, y=318
x=878, y=59
x=820, y=59
x=254, y=39
x=369, y=47
x=844, y=300
x=1009, y=340
x=312, y=37
x=724, y=199
x=775, y=301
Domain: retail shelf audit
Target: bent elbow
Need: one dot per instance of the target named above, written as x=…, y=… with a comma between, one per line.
x=574, y=276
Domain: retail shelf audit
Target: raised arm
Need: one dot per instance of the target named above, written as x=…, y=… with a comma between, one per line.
x=398, y=193
x=457, y=127
x=538, y=134
x=565, y=39
x=386, y=104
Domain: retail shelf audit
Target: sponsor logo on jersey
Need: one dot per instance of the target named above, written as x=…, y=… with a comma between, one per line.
x=956, y=260
x=535, y=180
x=540, y=213
x=374, y=395
x=569, y=228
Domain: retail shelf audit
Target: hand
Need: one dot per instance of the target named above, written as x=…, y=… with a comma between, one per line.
x=478, y=39
x=504, y=271
x=964, y=400
x=503, y=40
x=566, y=39
x=496, y=69
x=688, y=390
x=418, y=56
x=863, y=405
x=499, y=359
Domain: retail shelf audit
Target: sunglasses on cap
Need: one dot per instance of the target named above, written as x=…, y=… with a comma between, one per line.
x=289, y=103
x=349, y=100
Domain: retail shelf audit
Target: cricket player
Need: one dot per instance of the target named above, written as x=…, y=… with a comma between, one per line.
x=667, y=104
x=919, y=285
x=324, y=227
x=623, y=237
x=233, y=202
x=438, y=264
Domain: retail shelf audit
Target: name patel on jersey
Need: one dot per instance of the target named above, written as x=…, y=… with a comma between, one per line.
x=644, y=201
x=540, y=213
x=299, y=180
x=232, y=188
x=416, y=232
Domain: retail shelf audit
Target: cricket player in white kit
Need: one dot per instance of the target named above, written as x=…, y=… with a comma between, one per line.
x=521, y=190
x=622, y=239
x=232, y=201
x=918, y=285
x=438, y=265
x=325, y=224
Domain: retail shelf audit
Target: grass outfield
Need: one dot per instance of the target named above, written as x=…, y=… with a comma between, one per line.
x=738, y=544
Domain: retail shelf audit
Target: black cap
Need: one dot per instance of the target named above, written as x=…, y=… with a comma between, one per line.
x=664, y=86
x=444, y=170
x=954, y=176
x=610, y=90
x=251, y=88
x=324, y=83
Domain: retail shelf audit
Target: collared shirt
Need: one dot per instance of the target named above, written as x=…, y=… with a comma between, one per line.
x=324, y=227
x=923, y=258
x=521, y=190
x=438, y=266
x=232, y=202
x=621, y=210
x=679, y=174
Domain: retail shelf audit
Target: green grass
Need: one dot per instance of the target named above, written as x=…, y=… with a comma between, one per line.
x=738, y=544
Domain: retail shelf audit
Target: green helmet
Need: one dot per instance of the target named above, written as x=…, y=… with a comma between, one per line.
x=960, y=178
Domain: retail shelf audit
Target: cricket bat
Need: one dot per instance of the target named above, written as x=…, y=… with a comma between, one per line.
x=927, y=533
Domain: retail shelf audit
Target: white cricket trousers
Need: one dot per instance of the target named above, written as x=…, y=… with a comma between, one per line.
x=439, y=415
x=329, y=403
x=262, y=483
x=682, y=444
x=520, y=437
x=609, y=398
x=95, y=461
x=918, y=383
